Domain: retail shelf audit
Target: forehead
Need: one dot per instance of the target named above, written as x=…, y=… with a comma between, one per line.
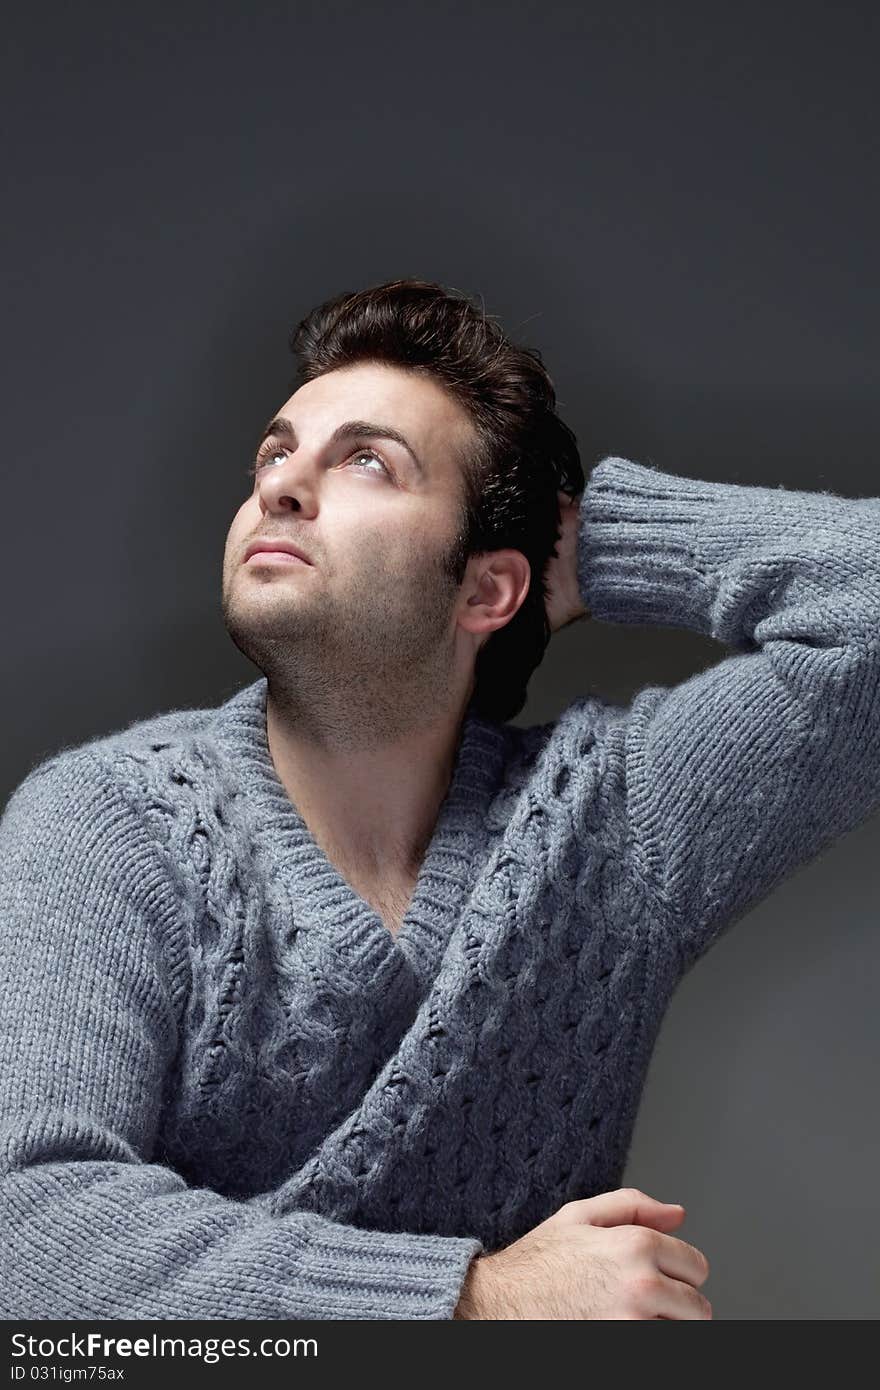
x=436, y=425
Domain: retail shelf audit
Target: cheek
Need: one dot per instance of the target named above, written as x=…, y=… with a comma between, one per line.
x=242, y=526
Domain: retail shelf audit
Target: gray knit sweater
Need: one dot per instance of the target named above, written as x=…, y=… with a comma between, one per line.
x=227, y=1091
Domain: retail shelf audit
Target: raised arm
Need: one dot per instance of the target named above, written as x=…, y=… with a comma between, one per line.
x=750, y=768
x=89, y=1225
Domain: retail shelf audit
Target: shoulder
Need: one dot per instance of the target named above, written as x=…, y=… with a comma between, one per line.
x=107, y=826
x=101, y=775
x=113, y=755
x=584, y=722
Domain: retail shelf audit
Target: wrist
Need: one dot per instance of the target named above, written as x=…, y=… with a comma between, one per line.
x=580, y=610
x=472, y=1298
x=576, y=610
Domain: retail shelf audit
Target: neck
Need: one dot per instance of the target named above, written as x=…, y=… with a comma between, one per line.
x=368, y=783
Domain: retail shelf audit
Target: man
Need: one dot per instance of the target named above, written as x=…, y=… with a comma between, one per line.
x=337, y=1000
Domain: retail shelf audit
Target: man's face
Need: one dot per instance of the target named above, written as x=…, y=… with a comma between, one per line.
x=376, y=601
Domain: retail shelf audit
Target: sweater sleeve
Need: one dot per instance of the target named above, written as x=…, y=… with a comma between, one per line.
x=747, y=770
x=90, y=1226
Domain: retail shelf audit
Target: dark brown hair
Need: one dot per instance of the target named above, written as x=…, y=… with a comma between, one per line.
x=525, y=453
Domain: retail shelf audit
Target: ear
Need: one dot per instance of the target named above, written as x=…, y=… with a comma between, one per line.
x=492, y=591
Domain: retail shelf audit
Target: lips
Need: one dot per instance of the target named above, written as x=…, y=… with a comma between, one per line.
x=268, y=547
x=279, y=559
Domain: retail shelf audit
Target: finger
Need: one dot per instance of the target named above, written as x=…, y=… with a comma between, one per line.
x=679, y=1302
x=666, y=1217
x=679, y=1260
x=628, y=1206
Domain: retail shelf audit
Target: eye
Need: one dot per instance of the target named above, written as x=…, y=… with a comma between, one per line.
x=271, y=450
x=364, y=452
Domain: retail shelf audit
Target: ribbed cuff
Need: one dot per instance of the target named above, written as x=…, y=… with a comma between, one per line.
x=355, y=1273
x=640, y=553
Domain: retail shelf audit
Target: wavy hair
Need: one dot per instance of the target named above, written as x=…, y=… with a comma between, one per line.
x=524, y=455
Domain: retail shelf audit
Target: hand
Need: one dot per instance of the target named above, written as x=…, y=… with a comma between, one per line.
x=601, y=1258
x=564, y=603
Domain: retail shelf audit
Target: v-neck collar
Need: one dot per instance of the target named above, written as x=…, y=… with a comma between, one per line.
x=329, y=900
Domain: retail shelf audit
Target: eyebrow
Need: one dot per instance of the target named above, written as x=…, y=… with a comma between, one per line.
x=350, y=429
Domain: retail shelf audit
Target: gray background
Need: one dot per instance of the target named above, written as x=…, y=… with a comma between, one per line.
x=678, y=205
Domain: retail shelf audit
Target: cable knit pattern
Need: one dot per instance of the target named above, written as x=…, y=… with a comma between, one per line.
x=227, y=1091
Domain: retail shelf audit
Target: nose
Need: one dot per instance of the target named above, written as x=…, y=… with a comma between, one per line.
x=290, y=485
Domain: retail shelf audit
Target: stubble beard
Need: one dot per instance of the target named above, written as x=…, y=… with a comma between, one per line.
x=357, y=672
